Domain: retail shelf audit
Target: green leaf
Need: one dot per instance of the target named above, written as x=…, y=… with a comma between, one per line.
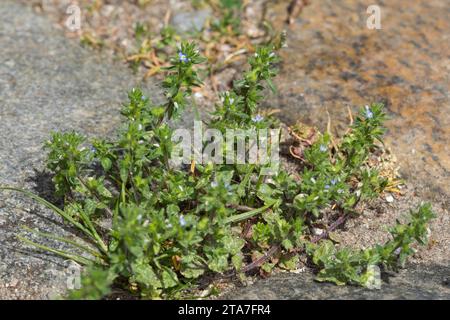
x=158, y=111
x=106, y=164
x=287, y=244
x=289, y=262
x=237, y=261
x=324, y=252
x=144, y=274
x=169, y=278
x=218, y=263
x=192, y=273
x=268, y=267
x=324, y=277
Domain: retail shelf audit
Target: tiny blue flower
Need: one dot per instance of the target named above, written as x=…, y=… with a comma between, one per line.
x=327, y=187
x=182, y=221
x=369, y=113
x=323, y=148
x=182, y=57
x=214, y=184
x=143, y=97
x=340, y=191
x=333, y=181
x=258, y=118
x=92, y=149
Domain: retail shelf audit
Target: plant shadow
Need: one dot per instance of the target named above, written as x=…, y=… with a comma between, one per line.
x=44, y=187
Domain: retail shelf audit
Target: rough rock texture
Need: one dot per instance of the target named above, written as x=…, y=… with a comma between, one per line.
x=191, y=21
x=415, y=282
x=46, y=83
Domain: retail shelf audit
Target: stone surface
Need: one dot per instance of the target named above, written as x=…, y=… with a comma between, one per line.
x=47, y=82
x=416, y=282
x=191, y=21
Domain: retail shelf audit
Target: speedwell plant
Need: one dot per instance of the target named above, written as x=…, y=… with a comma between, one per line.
x=157, y=230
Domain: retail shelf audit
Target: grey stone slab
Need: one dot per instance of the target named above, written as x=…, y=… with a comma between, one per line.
x=193, y=21
x=416, y=282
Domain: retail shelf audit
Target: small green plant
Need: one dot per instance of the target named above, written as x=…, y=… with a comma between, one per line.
x=172, y=225
x=340, y=175
x=230, y=21
x=347, y=266
x=152, y=51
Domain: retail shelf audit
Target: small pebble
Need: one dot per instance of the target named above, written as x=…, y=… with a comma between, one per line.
x=298, y=271
x=428, y=235
x=390, y=198
x=317, y=231
x=198, y=95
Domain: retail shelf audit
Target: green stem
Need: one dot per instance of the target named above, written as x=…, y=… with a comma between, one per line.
x=74, y=257
x=249, y=214
x=75, y=244
x=51, y=206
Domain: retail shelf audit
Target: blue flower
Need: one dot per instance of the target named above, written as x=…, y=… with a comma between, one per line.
x=214, y=184
x=92, y=149
x=368, y=113
x=182, y=221
x=323, y=148
x=182, y=57
x=327, y=187
x=258, y=118
x=333, y=181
